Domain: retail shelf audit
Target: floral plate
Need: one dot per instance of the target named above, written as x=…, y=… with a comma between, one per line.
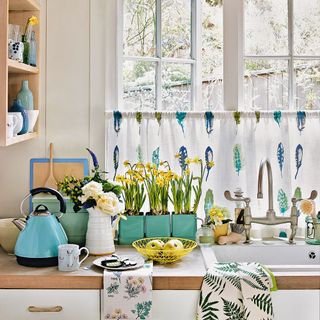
x=138, y=259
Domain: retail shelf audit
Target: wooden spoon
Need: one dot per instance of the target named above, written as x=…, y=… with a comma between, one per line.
x=51, y=182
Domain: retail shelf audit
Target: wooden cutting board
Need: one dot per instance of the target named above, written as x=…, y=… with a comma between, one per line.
x=39, y=169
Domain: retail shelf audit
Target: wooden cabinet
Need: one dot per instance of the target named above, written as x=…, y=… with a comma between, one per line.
x=12, y=72
x=49, y=304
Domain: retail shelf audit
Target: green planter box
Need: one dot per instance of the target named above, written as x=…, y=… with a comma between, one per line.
x=158, y=226
x=131, y=229
x=184, y=226
x=74, y=224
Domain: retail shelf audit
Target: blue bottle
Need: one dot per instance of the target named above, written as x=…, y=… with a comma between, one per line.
x=32, y=61
x=25, y=96
x=17, y=107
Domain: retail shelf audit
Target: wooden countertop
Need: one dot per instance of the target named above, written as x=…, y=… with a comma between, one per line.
x=186, y=274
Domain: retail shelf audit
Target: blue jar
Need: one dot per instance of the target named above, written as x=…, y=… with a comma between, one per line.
x=17, y=107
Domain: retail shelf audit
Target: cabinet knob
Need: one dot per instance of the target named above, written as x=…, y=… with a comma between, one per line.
x=44, y=309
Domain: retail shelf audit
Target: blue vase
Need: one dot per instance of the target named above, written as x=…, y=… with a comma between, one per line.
x=25, y=96
x=17, y=107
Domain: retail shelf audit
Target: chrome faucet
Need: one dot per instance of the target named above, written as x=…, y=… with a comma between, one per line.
x=270, y=218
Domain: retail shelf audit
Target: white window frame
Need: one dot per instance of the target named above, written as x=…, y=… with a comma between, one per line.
x=193, y=61
x=233, y=56
x=290, y=57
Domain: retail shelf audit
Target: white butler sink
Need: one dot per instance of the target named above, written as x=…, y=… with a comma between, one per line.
x=277, y=255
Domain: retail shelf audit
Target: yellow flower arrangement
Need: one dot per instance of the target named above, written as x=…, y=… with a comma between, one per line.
x=133, y=190
x=32, y=21
x=218, y=215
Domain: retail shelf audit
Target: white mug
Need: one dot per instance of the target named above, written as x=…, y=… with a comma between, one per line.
x=32, y=116
x=69, y=257
x=12, y=122
x=19, y=125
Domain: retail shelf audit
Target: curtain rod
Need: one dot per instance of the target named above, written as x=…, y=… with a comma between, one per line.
x=216, y=114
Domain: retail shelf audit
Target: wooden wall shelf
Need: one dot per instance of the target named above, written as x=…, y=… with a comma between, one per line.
x=23, y=137
x=18, y=67
x=12, y=73
x=24, y=5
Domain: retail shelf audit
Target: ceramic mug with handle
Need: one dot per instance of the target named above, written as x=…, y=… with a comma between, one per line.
x=69, y=257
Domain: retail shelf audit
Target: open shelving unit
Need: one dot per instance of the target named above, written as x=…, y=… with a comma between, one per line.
x=12, y=72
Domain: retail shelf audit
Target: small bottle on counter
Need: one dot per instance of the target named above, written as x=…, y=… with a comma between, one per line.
x=204, y=235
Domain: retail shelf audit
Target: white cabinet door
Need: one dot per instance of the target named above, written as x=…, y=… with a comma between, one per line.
x=59, y=304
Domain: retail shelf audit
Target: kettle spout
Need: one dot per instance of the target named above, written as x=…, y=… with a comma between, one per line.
x=19, y=223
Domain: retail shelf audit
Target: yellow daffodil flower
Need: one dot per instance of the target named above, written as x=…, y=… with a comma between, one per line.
x=140, y=165
x=196, y=160
x=177, y=155
x=33, y=21
x=126, y=163
x=188, y=160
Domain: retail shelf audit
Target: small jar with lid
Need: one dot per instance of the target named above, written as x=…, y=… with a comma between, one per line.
x=204, y=235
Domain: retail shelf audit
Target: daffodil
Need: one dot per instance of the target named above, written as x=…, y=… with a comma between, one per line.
x=33, y=21
x=196, y=160
x=139, y=165
x=177, y=155
x=188, y=160
x=126, y=163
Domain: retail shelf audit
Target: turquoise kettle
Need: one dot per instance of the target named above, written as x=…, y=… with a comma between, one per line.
x=38, y=241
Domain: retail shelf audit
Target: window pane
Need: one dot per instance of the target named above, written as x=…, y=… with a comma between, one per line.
x=139, y=85
x=266, y=27
x=266, y=84
x=212, y=55
x=176, y=28
x=307, y=84
x=176, y=86
x=139, y=27
x=306, y=27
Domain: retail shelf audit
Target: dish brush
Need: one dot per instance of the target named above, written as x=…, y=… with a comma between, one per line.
x=308, y=207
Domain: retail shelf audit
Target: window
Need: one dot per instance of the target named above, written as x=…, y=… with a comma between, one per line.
x=282, y=54
x=163, y=64
x=173, y=55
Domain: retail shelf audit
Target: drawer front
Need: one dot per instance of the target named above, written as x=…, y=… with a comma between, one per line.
x=49, y=304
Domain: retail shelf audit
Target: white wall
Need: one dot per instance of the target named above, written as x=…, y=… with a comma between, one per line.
x=72, y=94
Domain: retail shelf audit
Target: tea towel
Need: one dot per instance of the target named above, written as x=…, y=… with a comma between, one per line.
x=128, y=294
x=237, y=291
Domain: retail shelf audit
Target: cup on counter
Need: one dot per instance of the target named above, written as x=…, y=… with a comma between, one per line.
x=19, y=122
x=33, y=117
x=68, y=257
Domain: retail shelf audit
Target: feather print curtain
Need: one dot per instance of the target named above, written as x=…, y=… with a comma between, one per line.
x=236, y=142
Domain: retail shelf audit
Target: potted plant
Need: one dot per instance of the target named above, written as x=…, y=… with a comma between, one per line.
x=218, y=218
x=101, y=198
x=157, y=182
x=133, y=193
x=184, y=188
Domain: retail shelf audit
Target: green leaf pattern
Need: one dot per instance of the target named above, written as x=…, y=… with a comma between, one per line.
x=235, y=291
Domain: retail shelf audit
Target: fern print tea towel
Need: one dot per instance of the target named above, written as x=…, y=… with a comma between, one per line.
x=128, y=294
x=237, y=291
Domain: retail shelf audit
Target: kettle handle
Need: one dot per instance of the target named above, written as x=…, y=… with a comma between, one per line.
x=54, y=192
x=35, y=191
